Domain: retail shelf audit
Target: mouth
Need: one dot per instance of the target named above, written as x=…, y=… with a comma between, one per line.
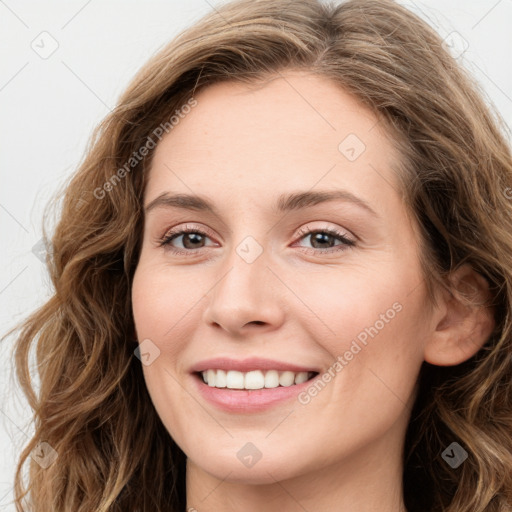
x=251, y=385
x=253, y=380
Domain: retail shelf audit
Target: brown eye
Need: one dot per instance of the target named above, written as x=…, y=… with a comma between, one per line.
x=324, y=240
x=187, y=238
x=191, y=240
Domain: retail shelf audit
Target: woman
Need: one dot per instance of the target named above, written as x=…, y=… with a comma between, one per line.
x=204, y=351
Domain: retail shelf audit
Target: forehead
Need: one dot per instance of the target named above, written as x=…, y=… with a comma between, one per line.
x=294, y=132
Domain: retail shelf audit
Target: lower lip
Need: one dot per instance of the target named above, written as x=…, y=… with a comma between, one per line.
x=241, y=400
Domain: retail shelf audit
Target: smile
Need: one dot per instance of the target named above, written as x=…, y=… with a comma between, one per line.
x=251, y=385
x=256, y=379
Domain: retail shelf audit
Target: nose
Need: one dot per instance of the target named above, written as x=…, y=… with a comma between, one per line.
x=247, y=296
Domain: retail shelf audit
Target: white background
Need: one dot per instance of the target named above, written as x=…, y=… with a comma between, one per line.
x=49, y=107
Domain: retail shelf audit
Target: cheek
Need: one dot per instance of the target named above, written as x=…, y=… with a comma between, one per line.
x=371, y=321
x=163, y=311
x=164, y=301
x=351, y=303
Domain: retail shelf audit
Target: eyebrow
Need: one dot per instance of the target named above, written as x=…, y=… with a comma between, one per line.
x=285, y=202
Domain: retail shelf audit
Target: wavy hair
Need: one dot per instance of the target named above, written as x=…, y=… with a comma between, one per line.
x=92, y=406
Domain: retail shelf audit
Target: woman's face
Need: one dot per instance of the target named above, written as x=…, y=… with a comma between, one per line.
x=251, y=292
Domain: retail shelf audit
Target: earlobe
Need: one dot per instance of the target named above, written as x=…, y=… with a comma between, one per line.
x=460, y=330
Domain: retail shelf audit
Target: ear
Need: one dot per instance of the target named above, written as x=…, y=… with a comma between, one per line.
x=460, y=330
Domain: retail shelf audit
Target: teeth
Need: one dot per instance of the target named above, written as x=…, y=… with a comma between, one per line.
x=215, y=377
x=234, y=380
x=286, y=378
x=255, y=379
x=301, y=377
x=272, y=379
x=220, y=379
x=210, y=377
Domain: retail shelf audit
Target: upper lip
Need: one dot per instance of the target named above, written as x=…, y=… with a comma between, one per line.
x=247, y=365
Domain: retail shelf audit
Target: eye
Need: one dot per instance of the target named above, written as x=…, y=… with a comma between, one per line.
x=324, y=240
x=191, y=238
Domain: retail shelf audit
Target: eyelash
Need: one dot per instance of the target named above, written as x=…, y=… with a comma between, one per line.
x=166, y=240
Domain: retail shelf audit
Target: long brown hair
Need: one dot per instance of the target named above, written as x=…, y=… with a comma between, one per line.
x=93, y=409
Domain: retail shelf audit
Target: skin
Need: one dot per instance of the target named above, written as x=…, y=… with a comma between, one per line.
x=241, y=147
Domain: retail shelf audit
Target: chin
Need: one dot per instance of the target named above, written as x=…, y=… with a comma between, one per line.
x=265, y=471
